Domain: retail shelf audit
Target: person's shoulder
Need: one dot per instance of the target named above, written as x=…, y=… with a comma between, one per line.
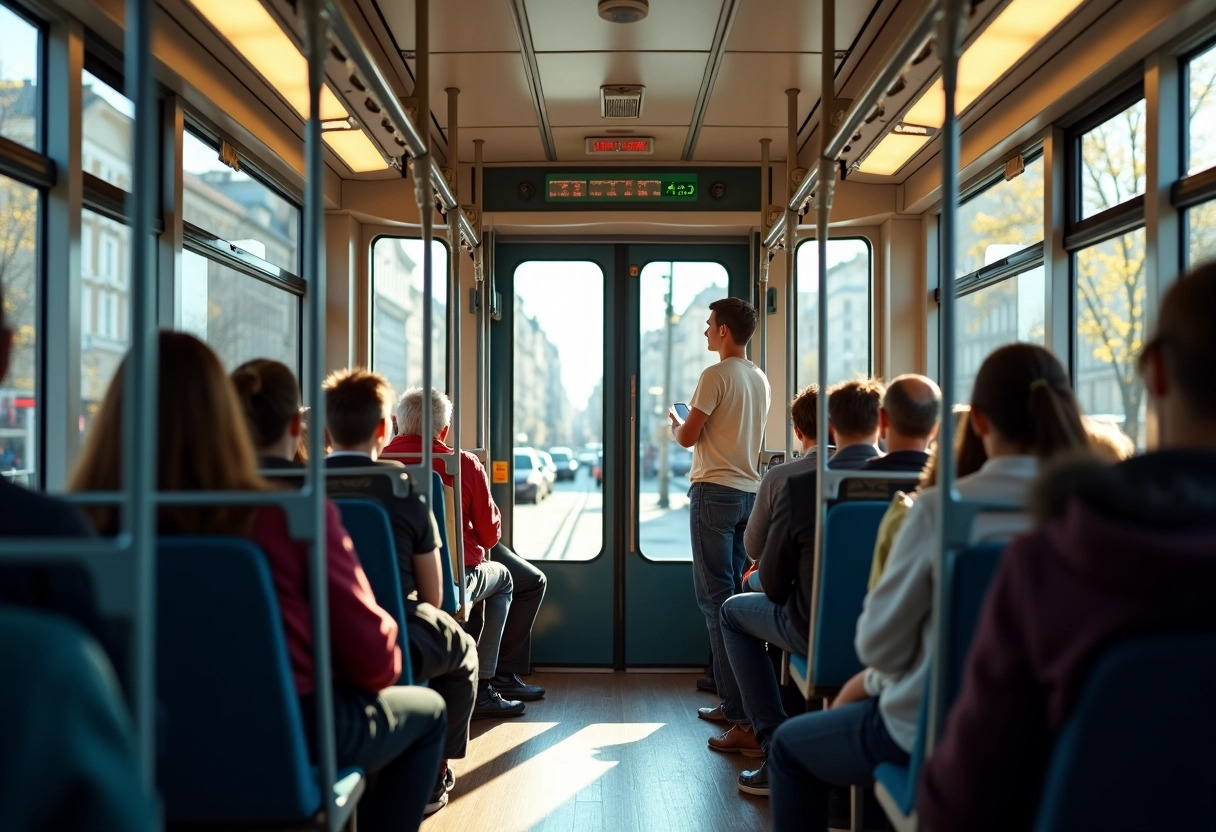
x=26, y=512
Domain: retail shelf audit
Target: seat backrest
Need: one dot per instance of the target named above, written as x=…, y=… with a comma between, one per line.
x=848, y=547
x=439, y=501
x=234, y=747
x=968, y=575
x=371, y=533
x=66, y=747
x=1119, y=767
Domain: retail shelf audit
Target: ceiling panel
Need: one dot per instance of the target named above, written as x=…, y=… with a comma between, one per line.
x=572, y=82
x=493, y=89
x=738, y=144
x=571, y=144
x=750, y=90
x=793, y=25
x=503, y=144
x=574, y=26
x=456, y=25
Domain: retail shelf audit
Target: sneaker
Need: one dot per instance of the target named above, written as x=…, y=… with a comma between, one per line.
x=714, y=714
x=740, y=739
x=439, y=799
x=707, y=684
x=513, y=687
x=448, y=779
x=491, y=705
x=755, y=782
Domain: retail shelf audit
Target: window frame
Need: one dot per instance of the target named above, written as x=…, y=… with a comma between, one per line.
x=870, y=317
x=371, y=300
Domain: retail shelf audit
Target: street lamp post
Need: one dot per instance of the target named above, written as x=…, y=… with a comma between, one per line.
x=665, y=443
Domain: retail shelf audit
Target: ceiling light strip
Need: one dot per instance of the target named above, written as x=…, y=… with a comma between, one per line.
x=523, y=31
x=717, y=49
x=914, y=38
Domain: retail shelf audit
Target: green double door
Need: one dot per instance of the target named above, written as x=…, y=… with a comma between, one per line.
x=594, y=343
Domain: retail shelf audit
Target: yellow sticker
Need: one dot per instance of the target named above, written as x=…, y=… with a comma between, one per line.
x=499, y=467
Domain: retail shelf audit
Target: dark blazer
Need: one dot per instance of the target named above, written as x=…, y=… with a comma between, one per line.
x=61, y=588
x=414, y=529
x=898, y=461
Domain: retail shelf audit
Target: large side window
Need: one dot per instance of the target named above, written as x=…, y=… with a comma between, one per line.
x=21, y=196
x=397, y=336
x=1200, y=162
x=850, y=266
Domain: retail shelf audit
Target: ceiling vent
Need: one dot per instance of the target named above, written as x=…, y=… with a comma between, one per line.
x=621, y=102
x=624, y=11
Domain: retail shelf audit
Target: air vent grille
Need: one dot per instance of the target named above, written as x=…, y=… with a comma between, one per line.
x=621, y=101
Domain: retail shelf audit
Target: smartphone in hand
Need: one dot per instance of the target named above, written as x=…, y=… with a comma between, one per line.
x=680, y=411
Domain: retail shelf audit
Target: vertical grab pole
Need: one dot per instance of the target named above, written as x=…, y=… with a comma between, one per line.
x=949, y=44
x=791, y=234
x=483, y=431
x=457, y=543
x=315, y=19
x=426, y=213
x=762, y=303
x=139, y=420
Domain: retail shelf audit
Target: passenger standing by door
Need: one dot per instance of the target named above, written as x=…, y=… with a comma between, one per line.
x=725, y=429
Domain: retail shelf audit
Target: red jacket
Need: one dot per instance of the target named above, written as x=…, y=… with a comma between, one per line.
x=362, y=635
x=1125, y=550
x=482, y=520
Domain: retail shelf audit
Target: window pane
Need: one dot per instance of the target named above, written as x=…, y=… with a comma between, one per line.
x=1000, y=220
x=848, y=311
x=19, y=79
x=238, y=208
x=1012, y=310
x=1201, y=233
x=239, y=316
x=1110, y=330
x=558, y=410
x=1201, y=75
x=106, y=148
x=397, y=312
x=1112, y=161
x=19, y=276
x=105, y=327
x=672, y=352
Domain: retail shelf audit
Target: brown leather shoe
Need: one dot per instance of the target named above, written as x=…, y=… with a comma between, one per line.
x=713, y=714
x=740, y=739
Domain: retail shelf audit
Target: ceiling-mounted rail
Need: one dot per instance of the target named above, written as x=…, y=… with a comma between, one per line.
x=889, y=72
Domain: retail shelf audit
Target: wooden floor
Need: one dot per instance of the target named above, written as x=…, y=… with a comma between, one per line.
x=608, y=752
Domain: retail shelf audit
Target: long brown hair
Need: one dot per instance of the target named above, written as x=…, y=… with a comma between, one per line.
x=1025, y=393
x=270, y=398
x=202, y=443
x=969, y=453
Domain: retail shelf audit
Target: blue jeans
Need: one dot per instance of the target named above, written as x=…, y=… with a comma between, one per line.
x=490, y=582
x=811, y=753
x=748, y=685
x=717, y=516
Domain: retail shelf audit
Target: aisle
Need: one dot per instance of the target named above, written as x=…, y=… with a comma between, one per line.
x=603, y=751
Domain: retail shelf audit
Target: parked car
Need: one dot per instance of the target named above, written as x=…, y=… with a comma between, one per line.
x=548, y=470
x=529, y=477
x=680, y=461
x=590, y=453
x=597, y=470
x=567, y=465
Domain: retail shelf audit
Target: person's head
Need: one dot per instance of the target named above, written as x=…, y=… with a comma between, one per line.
x=853, y=411
x=202, y=442
x=910, y=410
x=731, y=322
x=358, y=404
x=1107, y=441
x=1176, y=361
x=1022, y=403
x=804, y=414
x=409, y=413
x=270, y=398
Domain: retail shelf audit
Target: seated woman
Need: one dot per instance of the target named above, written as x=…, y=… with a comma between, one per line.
x=1022, y=410
x=203, y=445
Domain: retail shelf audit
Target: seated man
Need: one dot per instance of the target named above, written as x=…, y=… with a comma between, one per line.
x=908, y=417
x=357, y=407
x=511, y=587
x=1119, y=551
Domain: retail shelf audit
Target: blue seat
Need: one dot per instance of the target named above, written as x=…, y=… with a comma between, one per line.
x=65, y=734
x=367, y=523
x=451, y=593
x=1118, y=767
x=848, y=551
x=968, y=573
x=234, y=748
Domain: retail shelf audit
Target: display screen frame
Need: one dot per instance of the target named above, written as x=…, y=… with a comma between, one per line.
x=610, y=187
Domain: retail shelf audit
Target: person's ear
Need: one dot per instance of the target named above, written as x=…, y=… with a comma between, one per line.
x=979, y=422
x=296, y=426
x=1156, y=380
x=381, y=430
x=443, y=434
x=884, y=422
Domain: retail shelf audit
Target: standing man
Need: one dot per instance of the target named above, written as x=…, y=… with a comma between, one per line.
x=725, y=429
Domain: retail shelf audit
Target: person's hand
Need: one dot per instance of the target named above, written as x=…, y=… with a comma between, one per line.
x=854, y=690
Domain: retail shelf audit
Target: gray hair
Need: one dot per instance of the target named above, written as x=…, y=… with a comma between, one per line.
x=409, y=411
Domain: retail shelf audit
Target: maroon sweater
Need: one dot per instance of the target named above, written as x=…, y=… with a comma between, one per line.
x=1122, y=551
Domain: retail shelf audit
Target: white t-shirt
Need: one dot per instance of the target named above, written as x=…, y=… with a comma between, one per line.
x=736, y=397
